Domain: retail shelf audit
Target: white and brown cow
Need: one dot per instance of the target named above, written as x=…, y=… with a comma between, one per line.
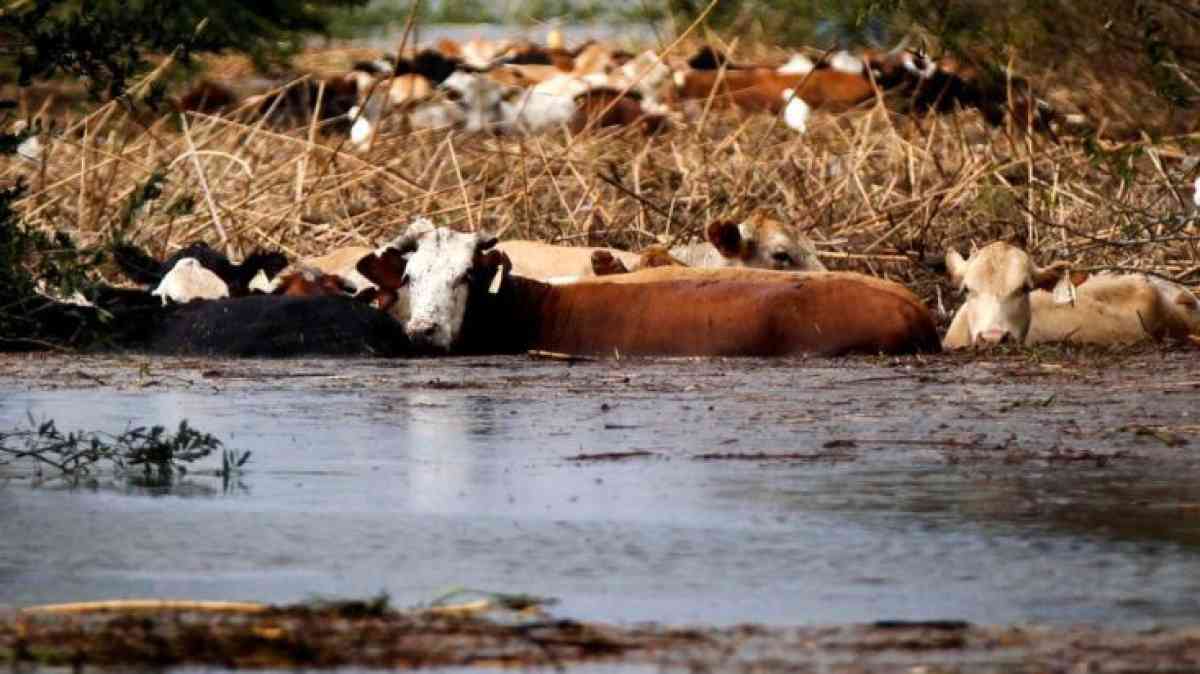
x=466, y=299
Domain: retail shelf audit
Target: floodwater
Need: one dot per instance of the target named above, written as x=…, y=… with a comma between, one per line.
x=780, y=492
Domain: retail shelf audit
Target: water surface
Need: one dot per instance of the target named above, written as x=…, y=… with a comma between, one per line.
x=909, y=491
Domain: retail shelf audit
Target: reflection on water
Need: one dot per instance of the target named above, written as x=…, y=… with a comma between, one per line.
x=411, y=488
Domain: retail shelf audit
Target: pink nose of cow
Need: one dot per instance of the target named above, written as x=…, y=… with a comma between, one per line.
x=996, y=336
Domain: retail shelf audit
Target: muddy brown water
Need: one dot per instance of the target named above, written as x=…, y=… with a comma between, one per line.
x=791, y=492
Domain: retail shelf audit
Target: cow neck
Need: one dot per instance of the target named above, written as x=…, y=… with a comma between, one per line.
x=507, y=321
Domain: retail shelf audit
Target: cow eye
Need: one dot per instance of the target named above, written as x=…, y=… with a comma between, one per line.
x=453, y=94
x=781, y=257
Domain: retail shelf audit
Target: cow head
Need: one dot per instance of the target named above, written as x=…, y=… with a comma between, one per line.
x=648, y=71
x=765, y=243
x=657, y=256
x=481, y=100
x=268, y=263
x=190, y=280
x=997, y=280
x=1180, y=302
x=443, y=268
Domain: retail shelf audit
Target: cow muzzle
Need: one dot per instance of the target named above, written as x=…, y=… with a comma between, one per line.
x=996, y=336
x=425, y=334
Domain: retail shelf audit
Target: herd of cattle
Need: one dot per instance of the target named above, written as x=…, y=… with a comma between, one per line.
x=750, y=288
x=753, y=289
x=515, y=86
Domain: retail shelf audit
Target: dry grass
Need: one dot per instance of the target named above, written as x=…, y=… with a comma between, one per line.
x=868, y=186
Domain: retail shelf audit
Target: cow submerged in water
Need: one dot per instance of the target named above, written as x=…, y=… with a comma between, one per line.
x=277, y=326
x=1010, y=299
x=464, y=299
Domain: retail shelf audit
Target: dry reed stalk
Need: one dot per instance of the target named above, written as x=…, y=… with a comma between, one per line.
x=867, y=187
x=208, y=197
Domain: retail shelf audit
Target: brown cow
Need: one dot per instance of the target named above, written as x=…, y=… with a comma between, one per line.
x=603, y=107
x=605, y=264
x=469, y=301
x=701, y=315
x=313, y=283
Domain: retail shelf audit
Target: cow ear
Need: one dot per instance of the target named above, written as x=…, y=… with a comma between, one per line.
x=385, y=269
x=1045, y=278
x=658, y=256
x=604, y=263
x=727, y=237
x=496, y=267
x=956, y=267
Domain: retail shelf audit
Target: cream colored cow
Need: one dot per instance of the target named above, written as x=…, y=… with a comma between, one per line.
x=189, y=280
x=759, y=241
x=1008, y=299
x=552, y=263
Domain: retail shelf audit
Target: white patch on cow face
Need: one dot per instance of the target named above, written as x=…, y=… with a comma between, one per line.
x=779, y=250
x=846, y=62
x=260, y=283
x=799, y=64
x=189, y=280
x=918, y=64
x=796, y=111
x=438, y=274
x=1196, y=192
x=997, y=280
x=648, y=71
x=550, y=104
x=360, y=133
x=480, y=100
x=779, y=247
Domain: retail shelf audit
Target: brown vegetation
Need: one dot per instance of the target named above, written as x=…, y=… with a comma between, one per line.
x=368, y=635
x=874, y=189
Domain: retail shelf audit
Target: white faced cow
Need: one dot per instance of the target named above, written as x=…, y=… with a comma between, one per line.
x=438, y=277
